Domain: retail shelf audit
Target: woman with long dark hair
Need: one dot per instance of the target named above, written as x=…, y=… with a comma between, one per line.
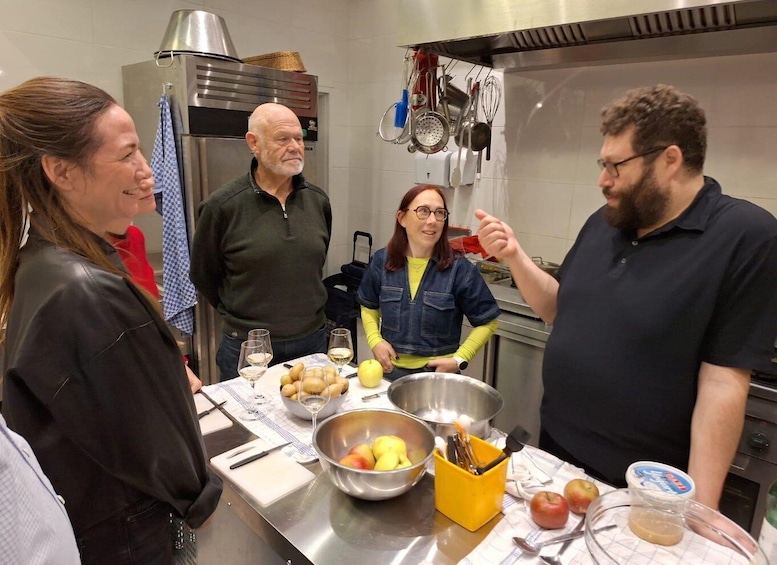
x=416, y=292
x=93, y=379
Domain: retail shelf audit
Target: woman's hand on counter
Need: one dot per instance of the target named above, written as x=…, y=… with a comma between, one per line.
x=384, y=353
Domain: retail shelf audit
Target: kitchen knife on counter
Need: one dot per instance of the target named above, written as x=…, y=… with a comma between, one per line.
x=204, y=413
x=257, y=456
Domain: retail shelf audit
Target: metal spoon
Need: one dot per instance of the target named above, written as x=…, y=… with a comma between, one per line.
x=533, y=547
x=556, y=559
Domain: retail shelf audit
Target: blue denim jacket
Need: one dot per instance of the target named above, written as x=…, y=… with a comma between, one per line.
x=430, y=324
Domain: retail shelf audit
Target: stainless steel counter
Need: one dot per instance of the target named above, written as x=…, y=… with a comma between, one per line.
x=319, y=524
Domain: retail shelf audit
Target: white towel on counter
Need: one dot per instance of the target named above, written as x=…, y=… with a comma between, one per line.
x=180, y=296
x=529, y=471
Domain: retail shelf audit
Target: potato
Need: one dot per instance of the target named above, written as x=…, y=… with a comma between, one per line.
x=343, y=383
x=286, y=379
x=296, y=371
x=330, y=372
x=317, y=372
x=335, y=390
x=313, y=385
x=294, y=397
x=330, y=378
x=288, y=390
x=297, y=385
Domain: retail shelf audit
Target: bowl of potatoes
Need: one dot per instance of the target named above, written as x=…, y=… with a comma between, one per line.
x=326, y=376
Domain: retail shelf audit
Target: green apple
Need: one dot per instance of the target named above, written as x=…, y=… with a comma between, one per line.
x=370, y=373
x=383, y=444
x=387, y=462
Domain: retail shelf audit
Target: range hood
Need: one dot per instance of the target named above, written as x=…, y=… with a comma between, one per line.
x=515, y=35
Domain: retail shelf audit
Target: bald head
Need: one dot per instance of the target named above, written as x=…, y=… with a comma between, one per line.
x=275, y=138
x=268, y=114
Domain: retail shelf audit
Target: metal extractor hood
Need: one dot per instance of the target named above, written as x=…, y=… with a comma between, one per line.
x=516, y=35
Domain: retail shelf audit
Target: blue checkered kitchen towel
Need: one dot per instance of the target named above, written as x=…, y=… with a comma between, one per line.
x=179, y=296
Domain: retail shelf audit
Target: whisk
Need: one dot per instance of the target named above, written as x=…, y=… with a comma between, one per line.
x=490, y=98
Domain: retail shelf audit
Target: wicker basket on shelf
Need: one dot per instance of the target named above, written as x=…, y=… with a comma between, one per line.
x=280, y=60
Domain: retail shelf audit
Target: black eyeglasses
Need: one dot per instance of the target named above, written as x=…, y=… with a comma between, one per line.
x=423, y=212
x=612, y=168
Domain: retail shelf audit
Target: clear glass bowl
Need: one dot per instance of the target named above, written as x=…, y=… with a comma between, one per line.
x=657, y=528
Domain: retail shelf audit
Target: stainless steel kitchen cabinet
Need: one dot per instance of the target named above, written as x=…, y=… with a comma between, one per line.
x=518, y=349
x=518, y=378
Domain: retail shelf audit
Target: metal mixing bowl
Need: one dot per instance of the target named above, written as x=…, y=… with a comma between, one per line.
x=336, y=435
x=439, y=398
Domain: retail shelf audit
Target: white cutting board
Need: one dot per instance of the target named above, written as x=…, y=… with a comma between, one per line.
x=214, y=421
x=267, y=479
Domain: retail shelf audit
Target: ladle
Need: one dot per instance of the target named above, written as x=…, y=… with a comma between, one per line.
x=534, y=547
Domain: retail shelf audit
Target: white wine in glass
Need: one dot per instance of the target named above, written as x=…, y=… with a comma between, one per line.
x=262, y=335
x=251, y=372
x=314, y=393
x=263, y=358
x=340, y=350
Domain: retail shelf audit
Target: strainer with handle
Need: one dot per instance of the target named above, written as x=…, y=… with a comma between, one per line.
x=429, y=129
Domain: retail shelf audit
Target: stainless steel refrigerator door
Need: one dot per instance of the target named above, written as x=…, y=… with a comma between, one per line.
x=208, y=163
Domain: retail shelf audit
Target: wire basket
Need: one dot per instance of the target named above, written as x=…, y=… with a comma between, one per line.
x=280, y=60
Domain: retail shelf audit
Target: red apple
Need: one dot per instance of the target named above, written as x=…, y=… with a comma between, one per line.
x=549, y=510
x=355, y=461
x=579, y=493
x=363, y=450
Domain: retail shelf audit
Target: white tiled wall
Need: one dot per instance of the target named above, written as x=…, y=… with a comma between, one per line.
x=542, y=175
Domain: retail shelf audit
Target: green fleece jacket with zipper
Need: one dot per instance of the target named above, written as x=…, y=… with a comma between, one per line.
x=261, y=265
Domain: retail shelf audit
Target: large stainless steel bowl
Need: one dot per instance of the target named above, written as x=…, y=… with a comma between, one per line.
x=440, y=398
x=336, y=435
x=197, y=32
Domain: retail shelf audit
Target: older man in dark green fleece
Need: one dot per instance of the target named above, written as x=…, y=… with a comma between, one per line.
x=261, y=243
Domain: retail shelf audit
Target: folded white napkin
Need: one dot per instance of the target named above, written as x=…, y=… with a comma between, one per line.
x=525, y=478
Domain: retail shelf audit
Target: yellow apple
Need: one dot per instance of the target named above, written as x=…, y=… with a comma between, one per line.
x=387, y=462
x=383, y=444
x=403, y=462
x=370, y=373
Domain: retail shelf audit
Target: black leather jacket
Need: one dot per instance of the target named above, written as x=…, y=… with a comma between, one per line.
x=95, y=382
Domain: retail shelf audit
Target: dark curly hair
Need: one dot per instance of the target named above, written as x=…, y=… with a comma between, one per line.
x=661, y=116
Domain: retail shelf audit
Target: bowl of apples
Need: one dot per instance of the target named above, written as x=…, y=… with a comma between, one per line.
x=374, y=454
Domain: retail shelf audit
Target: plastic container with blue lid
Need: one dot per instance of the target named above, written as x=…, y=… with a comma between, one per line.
x=660, y=477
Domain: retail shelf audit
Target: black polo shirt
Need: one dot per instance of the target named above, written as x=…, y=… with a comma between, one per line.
x=637, y=316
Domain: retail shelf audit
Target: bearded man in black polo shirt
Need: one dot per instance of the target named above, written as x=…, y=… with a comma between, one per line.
x=662, y=307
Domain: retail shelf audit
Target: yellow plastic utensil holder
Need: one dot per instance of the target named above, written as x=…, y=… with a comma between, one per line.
x=467, y=499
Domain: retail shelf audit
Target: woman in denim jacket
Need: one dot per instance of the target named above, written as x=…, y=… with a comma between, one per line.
x=416, y=292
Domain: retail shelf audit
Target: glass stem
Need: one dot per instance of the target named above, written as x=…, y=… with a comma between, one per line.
x=254, y=407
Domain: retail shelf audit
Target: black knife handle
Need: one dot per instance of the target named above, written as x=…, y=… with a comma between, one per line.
x=249, y=460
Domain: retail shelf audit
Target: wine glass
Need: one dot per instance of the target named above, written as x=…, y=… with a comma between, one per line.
x=250, y=366
x=340, y=350
x=264, y=335
x=314, y=393
x=257, y=359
